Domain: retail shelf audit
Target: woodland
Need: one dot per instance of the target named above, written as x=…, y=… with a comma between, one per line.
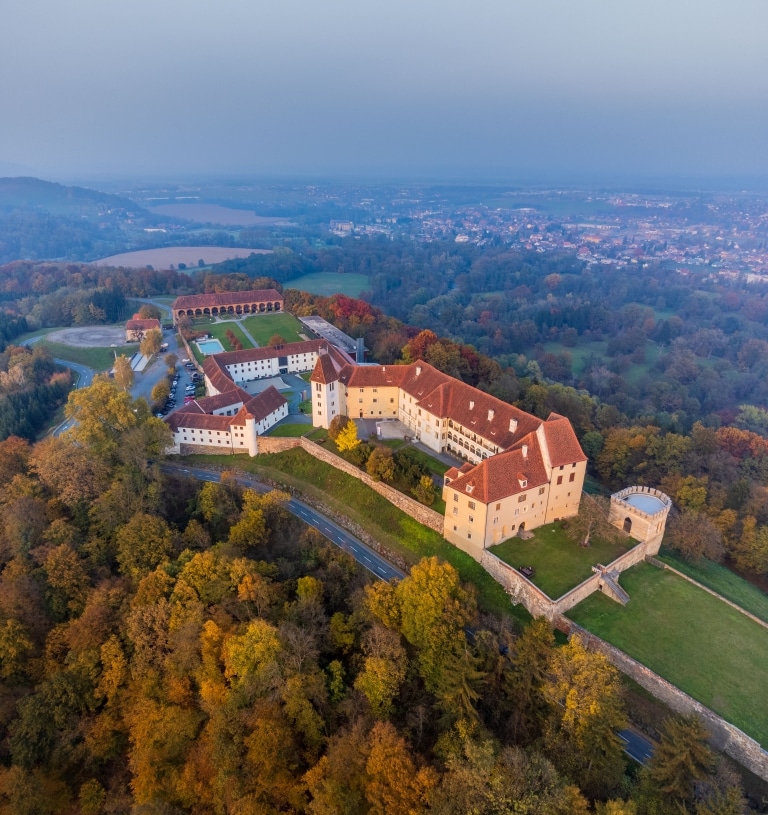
x=173, y=646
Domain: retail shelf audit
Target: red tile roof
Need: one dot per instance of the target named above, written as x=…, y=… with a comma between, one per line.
x=563, y=446
x=324, y=371
x=136, y=323
x=227, y=298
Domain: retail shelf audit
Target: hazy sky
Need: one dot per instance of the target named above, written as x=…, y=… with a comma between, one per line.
x=498, y=88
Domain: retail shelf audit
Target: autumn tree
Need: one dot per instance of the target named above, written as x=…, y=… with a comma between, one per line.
x=338, y=423
x=148, y=311
x=171, y=360
x=347, y=438
x=161, y=392
x=151, y=343
x=143, y=543
x=275, y=340
x=425, y=491
x=395, y=784
x=380, y=465
x=383, y=670
x=695, y=536
x=586, y=709
x=592, y=519
x=73, y=475
x=124, y=376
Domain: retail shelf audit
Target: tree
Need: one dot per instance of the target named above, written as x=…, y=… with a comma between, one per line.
x=150, y=312
x=161, y=392
x=695, y=536
x=592, y=520
x=338, y=423
x=380, y=465
x=394, y=783
x=347, y=438
x=425, y=491
x=680, y=759
x=276, y=340
x=151, y=343
x=585, y=696
x=142, y=544
x=123, y=372
x=73, y=475
x=383, y=671
x=170, y=361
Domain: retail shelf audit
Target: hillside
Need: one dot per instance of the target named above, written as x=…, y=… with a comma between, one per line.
x=57, y=199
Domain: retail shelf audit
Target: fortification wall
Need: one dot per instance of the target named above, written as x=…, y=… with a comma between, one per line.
x=276, y=444
x=725, y=736
x=424, y=515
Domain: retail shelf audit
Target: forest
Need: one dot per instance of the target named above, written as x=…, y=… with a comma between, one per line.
x=173, y=646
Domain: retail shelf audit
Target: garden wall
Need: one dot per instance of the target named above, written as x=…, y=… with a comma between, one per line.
x=276, y=444
x=424, y=515
x=725, y=736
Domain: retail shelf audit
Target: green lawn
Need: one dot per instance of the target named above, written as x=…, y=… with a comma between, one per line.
x=219, y=331
x=389, y=525
x=328, y=283
x=708, y=649
x=290, y=430
x=723, y=581
x=100, y=359
x=560, y=563
x=262, y=326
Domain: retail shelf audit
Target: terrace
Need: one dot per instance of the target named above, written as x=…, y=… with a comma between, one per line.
x=558, y=563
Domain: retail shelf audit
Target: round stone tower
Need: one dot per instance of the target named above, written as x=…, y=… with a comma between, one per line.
x=641, y=512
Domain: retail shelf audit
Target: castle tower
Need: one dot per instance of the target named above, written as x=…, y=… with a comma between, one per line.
x=326, y=392
x=642, y=513
x=251, y=436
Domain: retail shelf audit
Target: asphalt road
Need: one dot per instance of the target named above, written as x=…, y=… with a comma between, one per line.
x=363, y=554
x=84, y=379
x=637, y=747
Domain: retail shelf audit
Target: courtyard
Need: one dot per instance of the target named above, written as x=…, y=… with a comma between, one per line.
x=559, y=564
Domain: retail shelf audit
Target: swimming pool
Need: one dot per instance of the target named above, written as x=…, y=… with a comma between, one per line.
x=209, y=347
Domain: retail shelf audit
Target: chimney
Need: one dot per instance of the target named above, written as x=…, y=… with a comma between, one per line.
x=418, y=370
x=512, y=425
x=490, y=415
x=471, y=405
x=525, y=451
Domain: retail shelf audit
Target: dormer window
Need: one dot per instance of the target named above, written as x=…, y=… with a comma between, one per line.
x=470, y=487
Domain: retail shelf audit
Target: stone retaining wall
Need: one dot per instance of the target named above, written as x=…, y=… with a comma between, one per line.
x=725, y=736
x=203, y=449
x=424, y=515
x=518, y=587
x=276, y=444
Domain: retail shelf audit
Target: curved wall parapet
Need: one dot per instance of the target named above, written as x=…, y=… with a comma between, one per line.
x=642, y=513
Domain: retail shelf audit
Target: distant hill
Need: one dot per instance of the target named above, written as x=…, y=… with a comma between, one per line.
x=56, y=199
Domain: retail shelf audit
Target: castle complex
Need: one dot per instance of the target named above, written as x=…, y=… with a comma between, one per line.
x=520, y=471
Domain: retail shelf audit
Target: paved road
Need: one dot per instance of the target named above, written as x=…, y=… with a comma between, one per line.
x=637, y=747
x=363, y=554
x=84, y=379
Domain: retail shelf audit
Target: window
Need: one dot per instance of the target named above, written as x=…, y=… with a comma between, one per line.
x=455, y=510
x=541, y=490
x=559, y=480
x=521, y=498
x=517, y=512
x=495, y=521
x=561, y=466
x=455, y=497
x=471, y=519
x=375, y=390
x=498, y=507
x=391, y=401
x=572, y=477
x=471, y=504
x=469, y=536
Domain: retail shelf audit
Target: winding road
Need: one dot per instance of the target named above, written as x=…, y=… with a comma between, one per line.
x=363, y=554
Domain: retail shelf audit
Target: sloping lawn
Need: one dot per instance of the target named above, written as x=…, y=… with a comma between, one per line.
x=100, y=359
x=723, y=581
x=263, y=326
x=708, y=649
x=385, y=522
x=560, y=563
x=289, y=430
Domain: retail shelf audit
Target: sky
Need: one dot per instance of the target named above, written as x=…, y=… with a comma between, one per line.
x=428, y=89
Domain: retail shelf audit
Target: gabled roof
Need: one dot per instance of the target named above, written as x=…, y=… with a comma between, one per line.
x=324, y=371
x=137, y=323
x=227, y=298
x=563, y=446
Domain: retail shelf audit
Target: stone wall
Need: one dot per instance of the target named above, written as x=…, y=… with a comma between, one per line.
x=204, y=449
x=518, y=587
x=725, y=736
x=276, y=444
x=424, y=515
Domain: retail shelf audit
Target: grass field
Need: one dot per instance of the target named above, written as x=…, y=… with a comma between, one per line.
x=560, y=563
x=584, y=351
x=219, y=330
x=100, y=359
x=263, y=326
x=708, y=649
x=724, y=582
x=290, y=430
x=328, y=283
x=389, y=525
